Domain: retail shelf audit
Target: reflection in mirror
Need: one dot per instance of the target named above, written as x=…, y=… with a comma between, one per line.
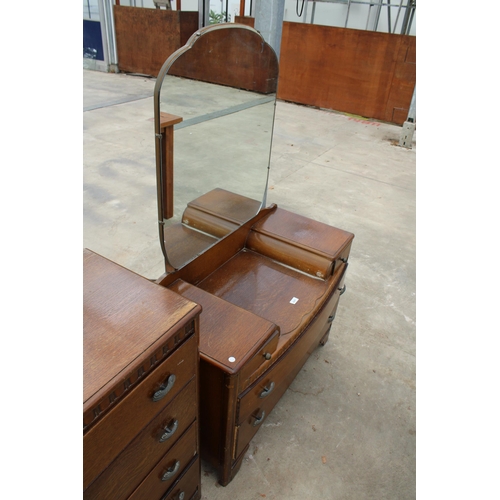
x=214, y=114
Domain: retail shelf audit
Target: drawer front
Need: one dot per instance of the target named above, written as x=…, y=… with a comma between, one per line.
x=120, y=479
x=102, y=443
x=255, y=404
x=188, y=486
x=334, y=301
x=262, y=357
x=170, y=468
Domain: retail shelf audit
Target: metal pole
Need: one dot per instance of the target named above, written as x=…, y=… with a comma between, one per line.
x=406, y=138
x=269, y=22
x=411, y=19
x=412, y=113
x=304, y=19
x=347, y=13
x=110, y=35
x=368, y=17
x=389, y=15
x=377, y=15
x=406, y=17
x=203, y=13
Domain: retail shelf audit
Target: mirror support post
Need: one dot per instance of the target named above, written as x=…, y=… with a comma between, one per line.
x=167, y=122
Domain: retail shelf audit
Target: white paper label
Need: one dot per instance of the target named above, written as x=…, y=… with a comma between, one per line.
x=294, y=300
x=231, y=359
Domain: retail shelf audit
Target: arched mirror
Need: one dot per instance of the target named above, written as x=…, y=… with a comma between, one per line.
x=214, y=112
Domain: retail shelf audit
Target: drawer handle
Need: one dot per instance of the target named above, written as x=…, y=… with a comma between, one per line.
x=164, y=389
x=258, y=420
x=169, y=431
x=181, y=496
x=170, y=472
x=267, y=355
x=267, y=390
x=342, y=290
x=331, y=318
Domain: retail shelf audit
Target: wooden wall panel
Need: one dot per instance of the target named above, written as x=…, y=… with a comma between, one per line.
x=145, y=38
x=403, y=82
x=360, y=72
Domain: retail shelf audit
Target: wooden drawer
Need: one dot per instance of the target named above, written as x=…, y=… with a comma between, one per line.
x=170, y=468
x=188, y=486
x=255, y=404
x=103, y=442
x=120, y=479
x=334, y=301
x=261, y=358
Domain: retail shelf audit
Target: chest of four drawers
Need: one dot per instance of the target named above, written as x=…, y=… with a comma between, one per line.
x=141, y=422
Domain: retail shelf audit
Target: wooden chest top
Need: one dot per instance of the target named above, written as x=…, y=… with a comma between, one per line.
x=126, y=319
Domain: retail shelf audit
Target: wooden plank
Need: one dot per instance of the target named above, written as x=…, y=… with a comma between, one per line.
x=167, y=122
x=347, y=70
x=403, y=82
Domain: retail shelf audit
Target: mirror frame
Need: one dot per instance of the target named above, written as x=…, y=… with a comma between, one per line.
x=164, y=168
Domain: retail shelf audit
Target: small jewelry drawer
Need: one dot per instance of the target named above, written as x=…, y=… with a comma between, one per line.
x=103, y=442
x=134, y=463
x=170, y=467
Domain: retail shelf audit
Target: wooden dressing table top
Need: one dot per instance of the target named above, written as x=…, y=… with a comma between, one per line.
x=230, y=335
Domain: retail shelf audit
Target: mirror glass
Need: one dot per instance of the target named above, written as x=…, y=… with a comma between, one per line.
x=214, y=106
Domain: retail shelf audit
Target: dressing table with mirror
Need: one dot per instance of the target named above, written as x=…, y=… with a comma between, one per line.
x=267, y=281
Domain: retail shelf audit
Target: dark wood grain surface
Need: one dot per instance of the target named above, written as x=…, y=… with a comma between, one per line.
x=229, y=206
x=231, y=335
x=268, y=289
x=183, y=451
x=304, y=232
x=167, y=122
x=128, y=470
x=215, y=256
x=118, y=305
x=188, y=485
x=362, y=72
x=104, y=441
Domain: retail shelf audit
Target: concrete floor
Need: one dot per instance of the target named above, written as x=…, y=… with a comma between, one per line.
x=346, y=428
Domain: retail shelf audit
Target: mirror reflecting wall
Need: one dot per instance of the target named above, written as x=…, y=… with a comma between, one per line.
x=214, y=114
